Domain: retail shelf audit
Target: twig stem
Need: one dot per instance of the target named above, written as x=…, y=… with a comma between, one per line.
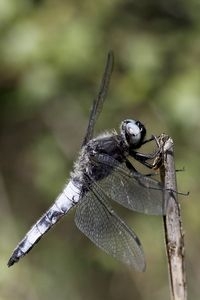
x=174, y=237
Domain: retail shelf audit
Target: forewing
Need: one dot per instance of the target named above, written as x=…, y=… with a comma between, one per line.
x=99, y=100
x=95, y=218
x=130, y=188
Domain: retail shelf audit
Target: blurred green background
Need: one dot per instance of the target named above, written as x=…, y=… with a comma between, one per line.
x=52, y=54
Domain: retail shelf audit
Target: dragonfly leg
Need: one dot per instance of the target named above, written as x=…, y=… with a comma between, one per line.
x=152, y=138
x=142, y=158
x=131, y=168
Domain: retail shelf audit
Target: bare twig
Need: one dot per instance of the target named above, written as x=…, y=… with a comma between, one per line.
x=174, y=237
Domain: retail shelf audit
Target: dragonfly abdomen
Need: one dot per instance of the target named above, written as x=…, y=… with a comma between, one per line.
x=66, y=200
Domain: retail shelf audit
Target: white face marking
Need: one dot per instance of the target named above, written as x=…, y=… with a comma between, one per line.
x=133, y=129
x=134, y=132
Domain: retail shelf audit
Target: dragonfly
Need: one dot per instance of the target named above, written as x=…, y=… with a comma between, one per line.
x=104, y=173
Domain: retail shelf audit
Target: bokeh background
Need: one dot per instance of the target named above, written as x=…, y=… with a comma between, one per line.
x=52, y=54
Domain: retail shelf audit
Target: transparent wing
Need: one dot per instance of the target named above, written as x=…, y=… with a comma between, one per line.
x=95, y=218
x=99, y=100
x=130, y=188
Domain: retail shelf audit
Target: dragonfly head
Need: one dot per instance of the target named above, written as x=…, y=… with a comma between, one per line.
x=133, y=133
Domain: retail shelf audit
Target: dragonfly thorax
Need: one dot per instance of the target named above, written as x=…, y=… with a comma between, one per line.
x=133, y=133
